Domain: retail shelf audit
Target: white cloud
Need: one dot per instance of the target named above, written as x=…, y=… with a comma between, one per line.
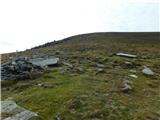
x=25, y=24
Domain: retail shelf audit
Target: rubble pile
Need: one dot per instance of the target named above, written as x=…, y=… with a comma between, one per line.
x=19, y=69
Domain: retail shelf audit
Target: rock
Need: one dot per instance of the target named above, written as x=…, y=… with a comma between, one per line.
x=45, y=61
x=40, y=85
x=11, y=111
x=99, y=70
x=17, y=69
x=133, y=76
x=67, y=64
x=147, y=71
x=126, y=55
x=126, y=86
x=100, y=65
x=133, y=71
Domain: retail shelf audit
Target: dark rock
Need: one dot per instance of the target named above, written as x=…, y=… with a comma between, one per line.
x=19, y=69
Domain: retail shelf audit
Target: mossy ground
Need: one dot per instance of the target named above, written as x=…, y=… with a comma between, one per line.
x=73, y=94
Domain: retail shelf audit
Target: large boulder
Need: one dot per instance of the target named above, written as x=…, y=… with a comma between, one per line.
x=11, y=111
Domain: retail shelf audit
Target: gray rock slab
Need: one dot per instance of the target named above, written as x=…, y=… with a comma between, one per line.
x=24, y=115
x=8, y=106
x=44, y=61
x=16, y=112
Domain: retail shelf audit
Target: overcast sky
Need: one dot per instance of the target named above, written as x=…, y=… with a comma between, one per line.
x=28, y=23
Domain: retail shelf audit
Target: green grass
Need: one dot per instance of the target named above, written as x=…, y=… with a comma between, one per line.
x=85, y=97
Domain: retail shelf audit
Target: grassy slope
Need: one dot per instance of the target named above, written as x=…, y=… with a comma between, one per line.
x=75, y=95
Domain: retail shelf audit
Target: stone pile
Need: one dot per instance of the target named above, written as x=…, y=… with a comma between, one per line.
x=19, y=69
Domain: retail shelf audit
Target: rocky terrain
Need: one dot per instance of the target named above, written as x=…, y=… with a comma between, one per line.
x=98, y=76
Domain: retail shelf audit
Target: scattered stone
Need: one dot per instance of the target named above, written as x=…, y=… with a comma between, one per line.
x=99, y=70
x=133, y=76
x=147, y=71
x=58, y=117
x=11, y=111
x=40, y=85
x=126, y=55
x=67, y=64
x=126, y=86
x=100, y=65
x=133, y=71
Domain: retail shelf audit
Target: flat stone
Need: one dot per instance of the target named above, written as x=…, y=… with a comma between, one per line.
x=133, y=76
x=24, y=115
x=8, y=106
x=126, y=55
x=14, y=111
x=44, y=61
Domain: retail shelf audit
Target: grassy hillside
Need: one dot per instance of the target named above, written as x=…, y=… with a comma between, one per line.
x=87, y=91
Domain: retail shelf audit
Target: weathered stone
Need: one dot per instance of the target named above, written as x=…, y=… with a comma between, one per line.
x=133, y=76
x=19, y=68
x=11, y=111
x=133, y=71
x=45, y=61
x=100, y=65
x=147, y=71
x=99, y=70
x=67, y=64
x=126, y=86
x=126, y=55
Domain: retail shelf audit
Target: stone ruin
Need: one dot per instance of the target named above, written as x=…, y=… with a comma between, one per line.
x=24, y=68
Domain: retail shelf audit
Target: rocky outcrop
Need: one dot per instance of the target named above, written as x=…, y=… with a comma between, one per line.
x=19, y=69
